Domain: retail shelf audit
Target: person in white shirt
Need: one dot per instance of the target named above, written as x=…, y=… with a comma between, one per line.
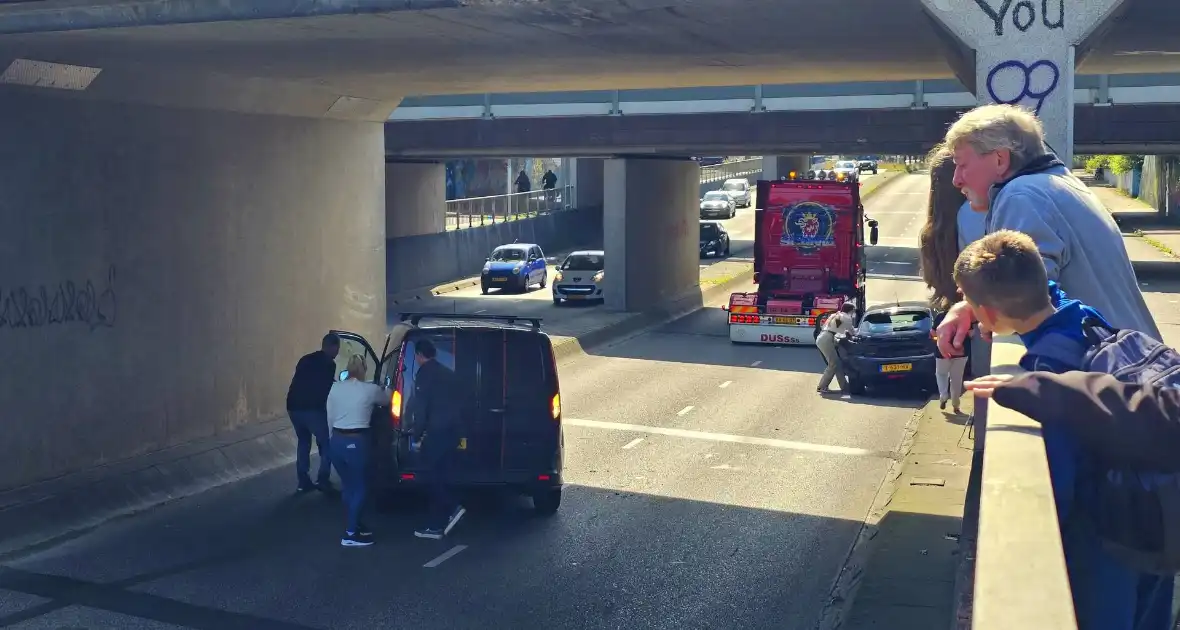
x=839, y=323
x=350, y=406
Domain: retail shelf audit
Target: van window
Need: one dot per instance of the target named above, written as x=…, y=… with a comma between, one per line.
x=349, y=347
x=528, y=378
x=734, y=186
x=444, y=343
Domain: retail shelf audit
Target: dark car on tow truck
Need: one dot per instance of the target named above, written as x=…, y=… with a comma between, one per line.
x=892, y=344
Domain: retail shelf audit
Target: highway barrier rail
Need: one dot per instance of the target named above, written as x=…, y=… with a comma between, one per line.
x=1020, y=579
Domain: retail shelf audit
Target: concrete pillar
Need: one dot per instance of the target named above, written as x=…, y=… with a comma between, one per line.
x=588, y=178
x=162, y=270
x=1024, y=53
x=776, y=166
x=650, y=216
x=415, y=198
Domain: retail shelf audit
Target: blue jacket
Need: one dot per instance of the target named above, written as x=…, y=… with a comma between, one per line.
x=1107, y=595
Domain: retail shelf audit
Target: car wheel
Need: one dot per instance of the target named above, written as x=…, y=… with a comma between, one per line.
x=544, y=279
x=546, y=502
x=484, y=288
x=726, y=250
x=856, y=386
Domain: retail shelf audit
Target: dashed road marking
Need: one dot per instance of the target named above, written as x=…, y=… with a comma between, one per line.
x=756, y=364
x=450, y=553
x=632, y=444
x=684, y=411
x=735, y=439
x=725, y=384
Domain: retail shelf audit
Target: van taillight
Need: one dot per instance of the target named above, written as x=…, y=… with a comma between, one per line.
x=395, y=407
x=555, y=406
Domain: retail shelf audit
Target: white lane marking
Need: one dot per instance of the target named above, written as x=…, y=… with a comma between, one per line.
x=450, y=553
x=895, y=262
x=756, y=364
x=482, y=310
x=632, y=444
x=684, y=411
x=724, y=437
x=725, y=384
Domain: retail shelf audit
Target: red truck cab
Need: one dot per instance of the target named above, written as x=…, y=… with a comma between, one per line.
x=809, y=259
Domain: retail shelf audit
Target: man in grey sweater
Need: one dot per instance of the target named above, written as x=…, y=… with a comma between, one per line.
x=1004, y=168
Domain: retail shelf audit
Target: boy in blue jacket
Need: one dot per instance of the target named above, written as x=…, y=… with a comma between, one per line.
x=1003, y=278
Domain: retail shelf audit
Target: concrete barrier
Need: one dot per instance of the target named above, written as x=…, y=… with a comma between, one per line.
x=413, y=262
x=1020, y=579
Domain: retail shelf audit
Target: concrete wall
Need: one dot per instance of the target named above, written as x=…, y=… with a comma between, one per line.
x=431, y=259
x=415, y=198
x=161, y=271
x=650, y=214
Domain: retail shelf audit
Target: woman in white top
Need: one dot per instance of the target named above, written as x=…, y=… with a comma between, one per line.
x=350, y=406
x=842, y=322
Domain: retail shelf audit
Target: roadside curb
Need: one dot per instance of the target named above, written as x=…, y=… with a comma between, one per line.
x=1156, y=269
x=57, y=509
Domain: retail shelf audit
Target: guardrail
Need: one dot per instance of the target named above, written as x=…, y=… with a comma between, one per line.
x=1020, y=579
x=478, y=211
x=726, y=170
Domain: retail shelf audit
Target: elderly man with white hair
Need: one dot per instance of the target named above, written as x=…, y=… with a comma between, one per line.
x=1004, y=168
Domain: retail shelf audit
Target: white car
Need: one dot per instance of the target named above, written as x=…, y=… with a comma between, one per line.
x=579, y=277
x=848, y=168
x=738, y=190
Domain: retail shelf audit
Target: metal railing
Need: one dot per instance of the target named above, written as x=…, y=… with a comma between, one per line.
x=726, y=170
x=480, y=211
x=1020, y=579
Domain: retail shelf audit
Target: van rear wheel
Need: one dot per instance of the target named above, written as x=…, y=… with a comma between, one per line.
x=546, y=502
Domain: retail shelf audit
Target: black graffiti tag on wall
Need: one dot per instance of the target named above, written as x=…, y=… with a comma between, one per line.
x=88, y=304
x=1024, y=87
x=1023, y=14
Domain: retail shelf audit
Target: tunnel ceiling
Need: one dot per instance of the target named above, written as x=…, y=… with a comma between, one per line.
x=397, y=49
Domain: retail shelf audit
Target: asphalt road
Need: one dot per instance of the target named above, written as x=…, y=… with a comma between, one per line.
x=709, y=487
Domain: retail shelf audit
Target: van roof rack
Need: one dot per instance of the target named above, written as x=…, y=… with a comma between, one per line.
x=414, y=318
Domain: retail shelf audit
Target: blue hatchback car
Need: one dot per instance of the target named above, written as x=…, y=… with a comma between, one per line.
x=517, y=266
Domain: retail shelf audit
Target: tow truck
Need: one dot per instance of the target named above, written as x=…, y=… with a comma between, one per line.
x=809, y=258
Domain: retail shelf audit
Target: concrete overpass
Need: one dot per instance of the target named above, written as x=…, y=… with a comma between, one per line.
x=1121, y=113
x=194, y=191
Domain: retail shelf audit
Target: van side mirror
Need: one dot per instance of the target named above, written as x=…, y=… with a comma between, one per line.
x=874, y=233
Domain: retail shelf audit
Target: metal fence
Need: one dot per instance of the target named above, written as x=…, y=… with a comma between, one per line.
x=727, y=170
x=477, y=211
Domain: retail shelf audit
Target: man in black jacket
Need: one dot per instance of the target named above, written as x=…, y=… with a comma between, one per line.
x=436, y=428
x=307, y=404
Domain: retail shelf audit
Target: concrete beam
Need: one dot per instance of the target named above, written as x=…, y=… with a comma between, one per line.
x=1025, y=53
x=415, y=198
x=162, y=270
x=650, y=217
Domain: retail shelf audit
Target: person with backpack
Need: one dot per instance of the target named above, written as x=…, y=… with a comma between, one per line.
x=1119, y=528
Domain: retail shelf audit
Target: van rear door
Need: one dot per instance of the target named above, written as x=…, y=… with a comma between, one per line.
x=532, y=430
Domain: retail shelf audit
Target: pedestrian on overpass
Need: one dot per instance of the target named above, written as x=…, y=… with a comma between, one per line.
x=839, y=323
x=307, y=400
x=350, y=410
x=948, y=371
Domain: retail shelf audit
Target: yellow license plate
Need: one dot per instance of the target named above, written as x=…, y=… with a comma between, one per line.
x=790, y=321
x=499, y=279
x=462, y=444
x=897, y=367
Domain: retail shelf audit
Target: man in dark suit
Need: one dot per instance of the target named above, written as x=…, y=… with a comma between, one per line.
x=307, y=405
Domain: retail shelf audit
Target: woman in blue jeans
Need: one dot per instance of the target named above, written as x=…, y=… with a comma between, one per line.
x=350, y=406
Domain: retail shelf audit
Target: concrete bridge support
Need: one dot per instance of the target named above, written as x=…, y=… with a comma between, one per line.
x=1024, y=53
x=415, y=198
x=776, y=166
x=162, y=270
x=650, y=216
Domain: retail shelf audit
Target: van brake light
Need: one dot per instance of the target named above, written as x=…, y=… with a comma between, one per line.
x=555, y=406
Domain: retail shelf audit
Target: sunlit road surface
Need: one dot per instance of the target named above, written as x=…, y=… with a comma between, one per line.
x=708, y=487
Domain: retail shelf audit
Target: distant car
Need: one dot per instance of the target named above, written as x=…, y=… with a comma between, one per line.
x=867, y=165
x=892, y=343
x=517, y=266
x=580, y=276
x=714, y=239
x=738, y=190
x=717, y=205
x=847, y=168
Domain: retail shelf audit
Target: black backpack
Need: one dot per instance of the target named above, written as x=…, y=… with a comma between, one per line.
x=1136, y=513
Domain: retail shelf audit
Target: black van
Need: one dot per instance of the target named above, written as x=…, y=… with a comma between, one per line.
x=511, y=403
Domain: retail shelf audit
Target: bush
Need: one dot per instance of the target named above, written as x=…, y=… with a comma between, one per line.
x=1120, y=164
x=1095, y=162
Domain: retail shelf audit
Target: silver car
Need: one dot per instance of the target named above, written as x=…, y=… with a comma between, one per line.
x=738, y=189
x=717, y=205
x=847, y=168
x=579, y=277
